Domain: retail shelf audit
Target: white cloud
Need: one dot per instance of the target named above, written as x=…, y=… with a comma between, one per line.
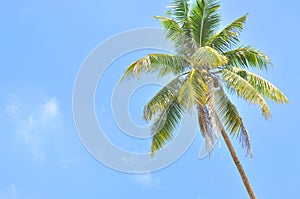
x=11, y=109
x=50, y=108
x=146, y=180
x=35, y=125
x=68, y=162
x=9, y=192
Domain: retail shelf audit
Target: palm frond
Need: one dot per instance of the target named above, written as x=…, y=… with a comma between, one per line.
x=193, y=90
x=172, y=29
x=206, y=129
x=211, y=104
x=204, y=19
x=207, y=57
x=179, y=9
x=164, y=125
x=232, y=121
x=248, y=57
x=186, y=94
x=210, y=120
x=162, y=99
x=180, y=36
x=242, y=88
x=263, y=86
x=163, y=63
x=229, y=36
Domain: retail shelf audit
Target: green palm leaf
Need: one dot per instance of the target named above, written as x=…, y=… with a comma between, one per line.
x=263, y=86
x=238, y=85
x=193, y=91
x=180, y=10
x=180, y=37
x=229, y=36
x=164, y=125
x=162, y=99
x=171, y=27
x=205, y=18
x=163, y=63
x=232, y=121
x=208, y=58
x=247, y=57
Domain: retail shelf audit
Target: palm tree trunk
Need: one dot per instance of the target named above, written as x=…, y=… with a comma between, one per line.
x=238, y=165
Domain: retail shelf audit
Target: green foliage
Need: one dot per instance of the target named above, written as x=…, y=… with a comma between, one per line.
x=164, y=63
x=208, y=57
x=229, y=36
x=232, y=120
x=207, y=61
x=164, y=125
x=161, y=100
x=242, y=88
x=179, y=9
x=247, y=57
x=263, y=86
x=179, y=35
x=204, y=18
x=193, y=90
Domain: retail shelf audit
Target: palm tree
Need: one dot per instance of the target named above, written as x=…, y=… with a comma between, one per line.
x=208, y=65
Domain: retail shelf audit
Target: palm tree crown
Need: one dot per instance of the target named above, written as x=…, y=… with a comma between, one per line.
x=207, y=65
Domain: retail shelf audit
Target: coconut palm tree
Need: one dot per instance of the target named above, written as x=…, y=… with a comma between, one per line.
x=208, y=65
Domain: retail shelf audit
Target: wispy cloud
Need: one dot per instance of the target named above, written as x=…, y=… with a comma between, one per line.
x=68, y=162
x=50, y=109
x=146, y=180
x=35, y=125
x=9, y=192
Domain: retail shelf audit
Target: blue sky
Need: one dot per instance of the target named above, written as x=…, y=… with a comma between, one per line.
x=43, y=44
